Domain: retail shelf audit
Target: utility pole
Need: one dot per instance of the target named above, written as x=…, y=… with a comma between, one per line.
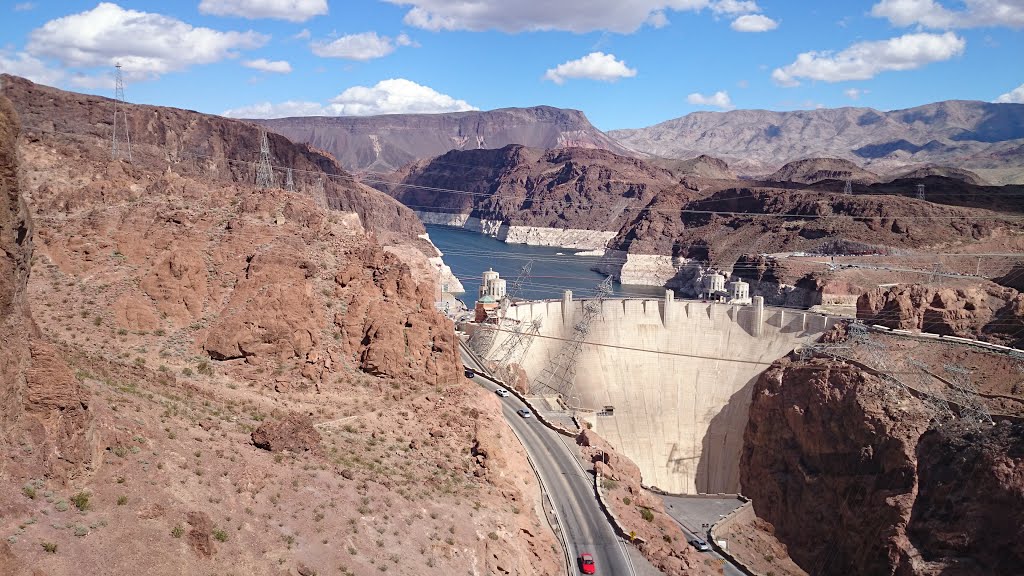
x=848, y=187
x=920, y=192
x=264, y=169
x=289, y=183
x=118, y=149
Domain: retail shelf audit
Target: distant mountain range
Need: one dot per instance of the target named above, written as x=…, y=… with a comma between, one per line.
x=987, y=138
x=984, y=137
x=386, y=143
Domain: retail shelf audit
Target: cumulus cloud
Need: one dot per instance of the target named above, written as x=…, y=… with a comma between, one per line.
x=754, y=23
x=931, y=14
x=28, y=66
x=595, y=66
x=363, y=46
x=291, y=10
x=524, y=15
x=719, y=99
x=394, y=96
x=146, y=44
x=864, y=60
x=264, y=65
x=855, y=93
x=1015, y=96
x=735, y=7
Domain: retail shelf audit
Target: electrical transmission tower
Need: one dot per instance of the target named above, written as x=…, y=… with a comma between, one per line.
x=560, y=374
x=514, y=349
x=920, y=192
x=289, y=183
x=264, y=169
x=319, y=196
x=848, y=187
x=119, y=149
x=962, y=392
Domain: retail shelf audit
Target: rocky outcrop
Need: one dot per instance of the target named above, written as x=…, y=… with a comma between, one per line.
x=293, y=433
x=931, y=170
x=954, y=133
x=573, y=197
x=386, y=143
x=212, y=148
x=986, y=312
x=44, y=408
x=829, y=467
x=858, y=477
x=811, y=170
x=703, y=166
x=970, y=490
x=410, y=342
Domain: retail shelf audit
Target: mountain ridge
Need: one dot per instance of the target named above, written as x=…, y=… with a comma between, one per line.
x=388, y=142
x=971, y=134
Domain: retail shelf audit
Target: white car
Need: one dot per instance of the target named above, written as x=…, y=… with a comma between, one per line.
x=524, y=413
x=501, y=392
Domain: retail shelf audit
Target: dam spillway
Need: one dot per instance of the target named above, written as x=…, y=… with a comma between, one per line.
x=679, y=375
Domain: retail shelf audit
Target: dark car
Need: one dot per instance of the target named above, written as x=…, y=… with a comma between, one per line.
x=587, y=563
x=470, y=373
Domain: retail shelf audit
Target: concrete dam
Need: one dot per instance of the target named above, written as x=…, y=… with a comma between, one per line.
x=678, y=375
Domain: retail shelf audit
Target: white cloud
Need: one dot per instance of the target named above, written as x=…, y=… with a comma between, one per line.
x=363, y=46
x=735, y=7
x=864, y=60
x=24, y=6
x=931, y=14
x=395, y=96
x=719, y=99
x=264, y=65
x=595, y=66
x=754, y=23
x=28, y=66
x=303, y=34
x=523, y=15
x=146, y=44
x=855, y=93
x=291, y=10
x=1015, y=96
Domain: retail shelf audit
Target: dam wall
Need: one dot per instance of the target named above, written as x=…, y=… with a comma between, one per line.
x=678, y=374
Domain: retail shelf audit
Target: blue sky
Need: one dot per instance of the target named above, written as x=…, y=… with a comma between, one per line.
x=625, y=63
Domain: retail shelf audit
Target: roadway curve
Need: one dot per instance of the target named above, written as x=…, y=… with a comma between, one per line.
x=569, y=486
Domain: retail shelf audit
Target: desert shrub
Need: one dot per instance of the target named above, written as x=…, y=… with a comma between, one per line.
x=122, y=500
x=177, y=532
x=220, y=535
x=49, y=547
x=81, y=500
x=646, y=514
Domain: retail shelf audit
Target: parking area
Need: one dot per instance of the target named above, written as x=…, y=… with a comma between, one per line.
x=698, y=513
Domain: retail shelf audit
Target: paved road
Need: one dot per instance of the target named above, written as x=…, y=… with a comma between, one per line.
x=690, y=513
x=570, y=488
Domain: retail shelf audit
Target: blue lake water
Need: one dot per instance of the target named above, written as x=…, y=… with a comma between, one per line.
x=554, y=269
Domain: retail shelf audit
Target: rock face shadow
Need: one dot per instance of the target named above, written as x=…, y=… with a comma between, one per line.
x=718, y=470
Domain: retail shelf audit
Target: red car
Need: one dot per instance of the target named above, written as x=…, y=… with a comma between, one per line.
x=586, y=563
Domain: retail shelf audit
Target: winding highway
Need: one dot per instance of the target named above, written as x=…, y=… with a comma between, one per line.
x=569, y=487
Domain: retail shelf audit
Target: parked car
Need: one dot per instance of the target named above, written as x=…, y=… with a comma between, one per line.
x=524, y=413
x=700, y=545
x=501, y=392
x=587, y=563
x=470, y=373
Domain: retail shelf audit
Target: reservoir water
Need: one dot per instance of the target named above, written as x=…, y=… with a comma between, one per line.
x=554, y=269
